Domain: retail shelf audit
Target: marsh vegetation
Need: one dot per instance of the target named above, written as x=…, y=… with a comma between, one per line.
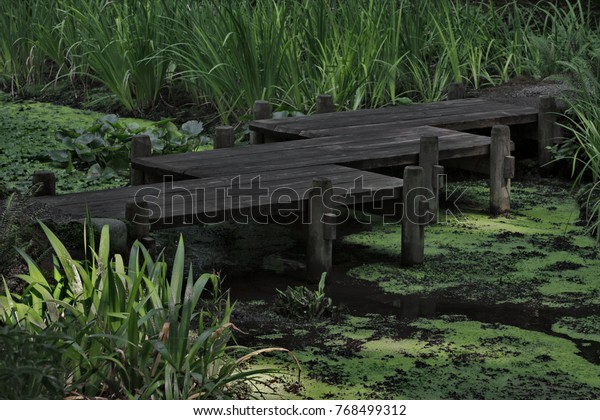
x=504, y=307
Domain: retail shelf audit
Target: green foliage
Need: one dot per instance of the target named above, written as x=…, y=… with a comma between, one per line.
x=104, y=147
x=230, y=53
x=304, y=304
x=14, y=230
x=30, y=366
x=136, y=330
x=583, y=123
x=561, y=34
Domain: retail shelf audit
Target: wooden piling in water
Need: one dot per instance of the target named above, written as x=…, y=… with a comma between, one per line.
x=321, y=229
x=548, y=130
x=502, y=169
x=43, y=183
x=456, y=91
x=140, y=147
x=429, y=156
x=137, y=213
x=413, y=222
x=224, y=137
x=261, y=110
x=325, y=104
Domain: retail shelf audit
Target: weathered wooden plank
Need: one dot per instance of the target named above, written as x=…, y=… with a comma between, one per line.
x=161, y=198
x=269, y=124
x=176, y=160
x=451, y=111
x=309, y=152
x=214, y=198
x=472, y=120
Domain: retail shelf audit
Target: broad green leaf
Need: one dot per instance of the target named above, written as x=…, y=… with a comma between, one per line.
x=192, y=128
x=95, y=171
x=61, y=156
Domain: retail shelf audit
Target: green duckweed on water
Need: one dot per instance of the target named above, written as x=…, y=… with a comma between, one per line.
x=535, y=255
x=585, y=328
x=534, y=270
x=447, y=358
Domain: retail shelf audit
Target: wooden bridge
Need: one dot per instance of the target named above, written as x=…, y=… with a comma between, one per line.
x=329, y=163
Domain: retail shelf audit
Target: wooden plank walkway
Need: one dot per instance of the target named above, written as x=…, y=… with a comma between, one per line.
x=463, y=114
x=395, y=147
x=267, y=181
x=213, y=200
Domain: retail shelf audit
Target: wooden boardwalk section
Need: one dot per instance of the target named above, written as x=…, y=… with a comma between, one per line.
x=459, y=115
x=395, y=147
x=215, y=199
x=274, y=176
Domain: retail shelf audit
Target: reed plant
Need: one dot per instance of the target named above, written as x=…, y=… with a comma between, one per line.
x=132, y=328
x=367, y=53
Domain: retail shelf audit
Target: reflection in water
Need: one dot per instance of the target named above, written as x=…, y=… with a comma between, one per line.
x=414, y=306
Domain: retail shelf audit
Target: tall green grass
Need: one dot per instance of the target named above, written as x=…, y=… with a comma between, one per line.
x=226, y=53
x=367, y=53
x=132, y=328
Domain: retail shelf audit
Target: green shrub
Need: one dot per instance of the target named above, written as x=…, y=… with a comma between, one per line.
x=31, y=364
x=136, y=330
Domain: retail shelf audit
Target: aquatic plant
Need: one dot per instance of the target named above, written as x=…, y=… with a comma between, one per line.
x=302, y=303
x=103, y=148
x=30, y=366
x=132, y=330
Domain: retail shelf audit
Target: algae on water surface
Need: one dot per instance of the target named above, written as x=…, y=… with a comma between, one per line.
x=535, y=270
x=536, y=255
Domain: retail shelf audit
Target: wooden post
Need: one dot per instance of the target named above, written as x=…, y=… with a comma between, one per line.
x=43, y=183
x=224, y=137
x=413, y=232
x=428, y=160
x=321, y=229
x=325, y=104
x=501, y=169
x=140, y=147
x=261, y=110
x=547, y=129
x=456, y=91
x=136, y=212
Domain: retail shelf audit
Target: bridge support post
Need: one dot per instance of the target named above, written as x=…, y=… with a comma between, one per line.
x=136, y=212
x=456, y=91
x=43, y=183
x=502, y=169
x=261, y=110
x=321, y=229
x=548, y=130
x=416, y=213
x=432, y=172
x=140, y=147
x=325, y=104
x=224, y=137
